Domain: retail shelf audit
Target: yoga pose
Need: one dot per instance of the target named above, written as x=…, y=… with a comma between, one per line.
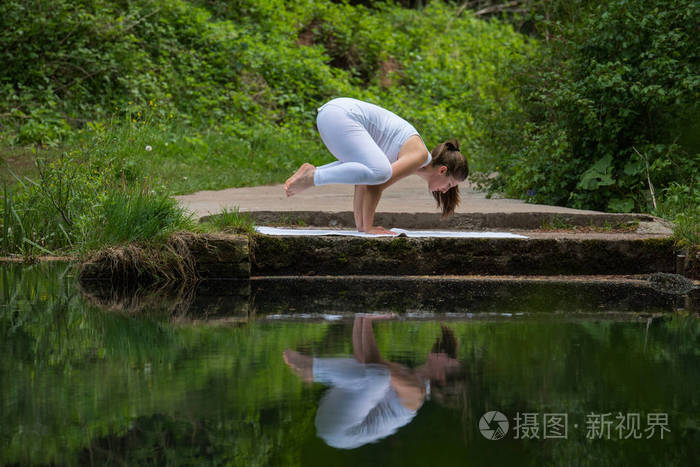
x=375, y=148
x=370, y=398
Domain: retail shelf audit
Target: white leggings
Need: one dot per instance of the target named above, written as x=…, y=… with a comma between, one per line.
x=360, y=407
x=360, y=160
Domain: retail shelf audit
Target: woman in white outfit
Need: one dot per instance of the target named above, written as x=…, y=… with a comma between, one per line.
x=375, y=148
x=370, y=398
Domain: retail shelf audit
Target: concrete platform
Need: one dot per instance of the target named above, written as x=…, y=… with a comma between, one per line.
x=559, y=240
x=408, y=205
x=409, y=195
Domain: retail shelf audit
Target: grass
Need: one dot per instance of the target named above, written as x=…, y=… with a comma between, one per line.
x=231, y=220
x=111, y=184
x=686, y=231
x=680, y=204
x=181, y=159
x=135, y=215
x=74, y=206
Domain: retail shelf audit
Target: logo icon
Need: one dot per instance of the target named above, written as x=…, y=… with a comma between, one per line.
x=493, y=425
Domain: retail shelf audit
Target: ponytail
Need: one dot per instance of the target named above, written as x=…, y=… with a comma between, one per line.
x=447, y=201
x=448, y=154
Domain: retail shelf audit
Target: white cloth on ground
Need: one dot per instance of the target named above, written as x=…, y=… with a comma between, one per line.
x=409, y=233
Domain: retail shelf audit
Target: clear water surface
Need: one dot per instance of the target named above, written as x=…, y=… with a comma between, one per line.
x=90, y=383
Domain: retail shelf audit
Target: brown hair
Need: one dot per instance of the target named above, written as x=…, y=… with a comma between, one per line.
x=445, y=343
x=448, y=154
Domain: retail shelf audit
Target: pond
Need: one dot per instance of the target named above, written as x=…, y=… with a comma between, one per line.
x=90, y=377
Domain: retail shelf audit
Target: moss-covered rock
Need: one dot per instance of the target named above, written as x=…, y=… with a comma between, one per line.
x=430, y=256
x=184, y=257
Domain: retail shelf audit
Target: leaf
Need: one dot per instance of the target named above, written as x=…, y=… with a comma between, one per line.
x=634, y=167
x=621, y=205
x=600, y=174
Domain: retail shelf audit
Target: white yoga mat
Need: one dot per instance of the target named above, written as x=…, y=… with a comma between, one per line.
x=409, y=233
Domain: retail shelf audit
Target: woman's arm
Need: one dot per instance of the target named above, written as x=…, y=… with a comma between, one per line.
x=403, y=167
x=364, y=346
x=357, y=206
x=411, y=157
x=370, y=201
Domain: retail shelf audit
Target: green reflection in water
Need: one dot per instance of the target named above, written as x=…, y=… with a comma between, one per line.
x=81, y=384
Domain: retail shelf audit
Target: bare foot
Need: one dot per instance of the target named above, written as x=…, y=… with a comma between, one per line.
x=302, y=179
x=302, y=365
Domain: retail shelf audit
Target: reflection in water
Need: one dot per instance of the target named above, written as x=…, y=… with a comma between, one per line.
x=83, y=384
x=370, y=398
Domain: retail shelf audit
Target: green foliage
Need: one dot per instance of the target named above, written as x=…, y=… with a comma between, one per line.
x=249, y=66
x=183, y=96
x=681, y=204
x=611, y=103
x=232, y=220
x=85, y=59
x=77, y=206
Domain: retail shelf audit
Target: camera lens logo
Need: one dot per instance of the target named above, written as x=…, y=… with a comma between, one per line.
x=493, y=425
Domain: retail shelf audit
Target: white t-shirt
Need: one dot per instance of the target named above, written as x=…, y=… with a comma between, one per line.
x=387, y=129
x=360, y=407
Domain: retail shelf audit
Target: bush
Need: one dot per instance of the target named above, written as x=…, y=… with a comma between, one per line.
x=248, y=64
x=610, y=105
x=681, y=204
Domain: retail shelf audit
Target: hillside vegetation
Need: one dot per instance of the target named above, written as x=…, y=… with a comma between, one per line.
x=242, y=80
x=124, y=103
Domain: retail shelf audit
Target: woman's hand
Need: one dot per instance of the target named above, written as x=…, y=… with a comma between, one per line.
x=379, y=230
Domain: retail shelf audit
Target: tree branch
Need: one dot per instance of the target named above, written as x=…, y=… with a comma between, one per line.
x=646, y=163
x=499, y=8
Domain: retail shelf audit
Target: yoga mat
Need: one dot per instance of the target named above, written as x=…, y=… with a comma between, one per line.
x=409, y=233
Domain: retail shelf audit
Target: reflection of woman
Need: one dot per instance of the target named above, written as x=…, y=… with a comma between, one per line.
x=370, y=398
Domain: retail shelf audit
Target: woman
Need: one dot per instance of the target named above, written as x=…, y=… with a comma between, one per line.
x=375, y=148
x=371, y=398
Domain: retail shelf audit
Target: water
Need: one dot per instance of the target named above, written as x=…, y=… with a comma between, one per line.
x=90, y=377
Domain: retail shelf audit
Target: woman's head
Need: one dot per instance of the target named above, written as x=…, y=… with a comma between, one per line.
x=442, y=359
x=450, y=168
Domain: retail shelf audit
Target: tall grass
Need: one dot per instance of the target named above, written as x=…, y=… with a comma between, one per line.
x=231, y=220
x=133, y=215
x=681, y=205
x=75, y=206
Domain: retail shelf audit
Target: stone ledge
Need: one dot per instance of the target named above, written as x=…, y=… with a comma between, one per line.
x=443, y=256
x=189, y=256
x=186, y=256
x=477, y=294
